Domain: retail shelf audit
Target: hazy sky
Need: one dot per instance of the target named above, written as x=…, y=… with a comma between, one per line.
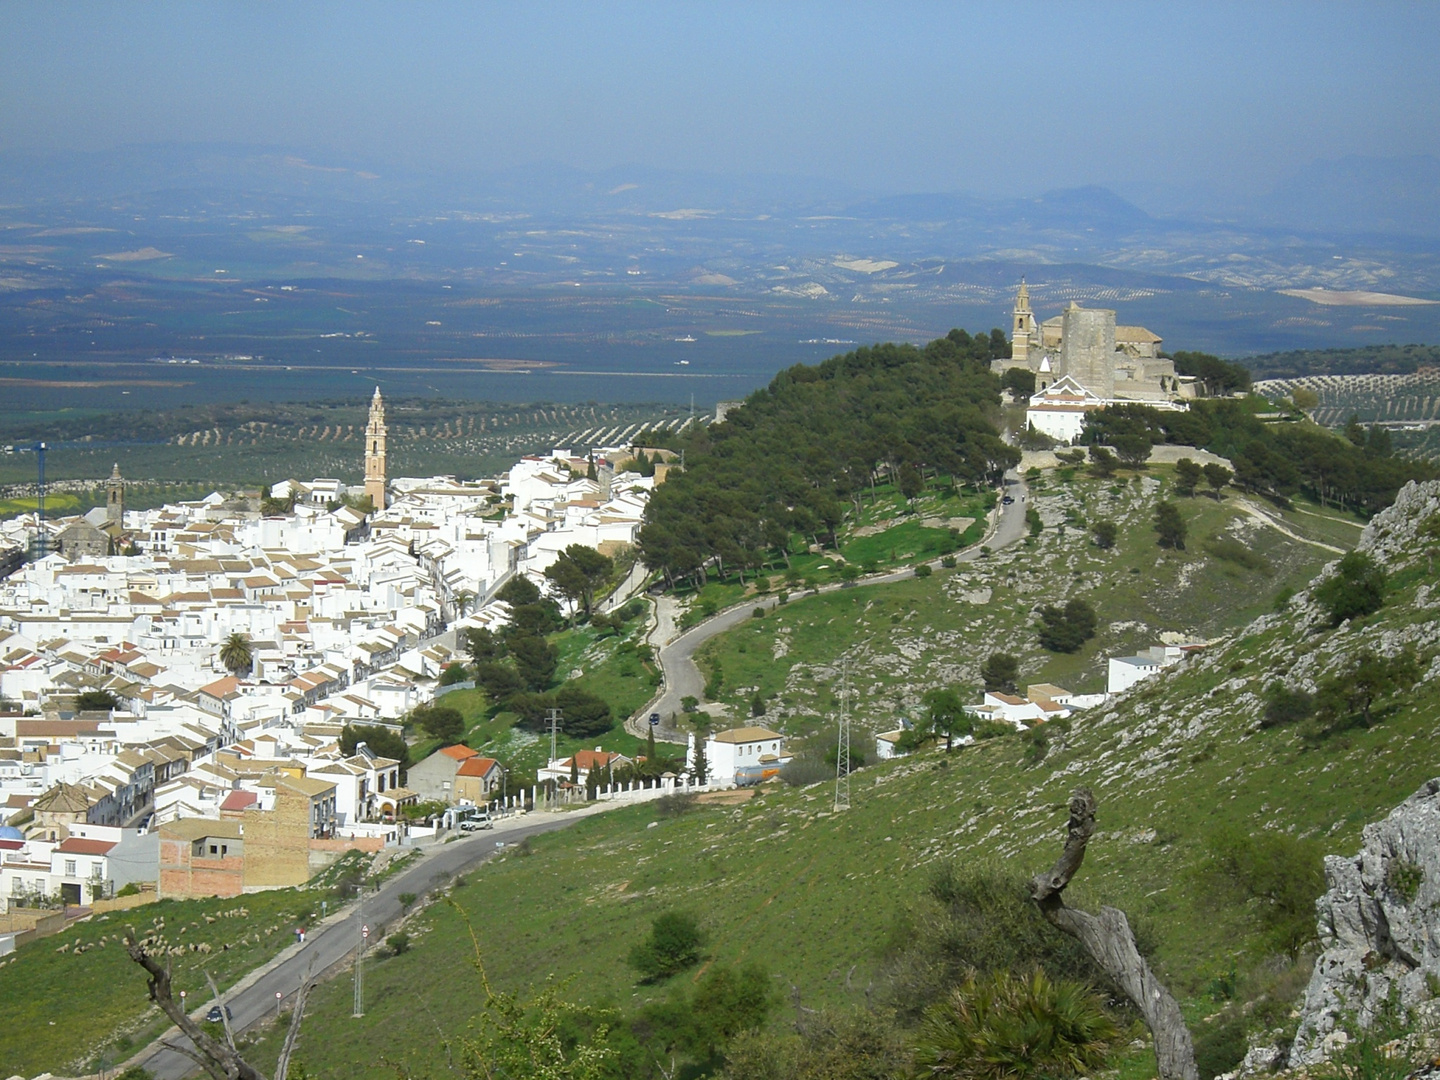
x=992, y=98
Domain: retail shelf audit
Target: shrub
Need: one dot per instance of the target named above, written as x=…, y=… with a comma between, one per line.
x=804, y=771
x=454, y=673
x=1404, y=878
x=1104, y=532
x=406, y=899
x=675, y=804
x=398, y=942
x=128, y=890
x=1003, y=1025
x=1234, y=551
x=925, y=570
x=1221, y=1046
x=1284, y=706
x=1279, y=876
x=1356, y=588
x=948, y=562
x=674, y=944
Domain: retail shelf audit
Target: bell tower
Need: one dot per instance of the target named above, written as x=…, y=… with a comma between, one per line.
x=375, y=452
x=1022, y=330
x=115, y=496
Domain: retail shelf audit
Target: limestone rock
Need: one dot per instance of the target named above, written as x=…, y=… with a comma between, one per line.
x=1379, y=923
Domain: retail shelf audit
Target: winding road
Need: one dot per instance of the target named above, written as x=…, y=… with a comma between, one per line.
x=333, y=942
x=677, y=656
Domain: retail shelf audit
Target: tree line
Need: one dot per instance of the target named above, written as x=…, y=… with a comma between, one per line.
x=1356, y=470
x=802, y=453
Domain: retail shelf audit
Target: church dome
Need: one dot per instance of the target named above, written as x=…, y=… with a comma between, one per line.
x=9, y=832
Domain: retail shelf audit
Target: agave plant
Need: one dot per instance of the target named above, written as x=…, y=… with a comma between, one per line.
x=1004, y=1026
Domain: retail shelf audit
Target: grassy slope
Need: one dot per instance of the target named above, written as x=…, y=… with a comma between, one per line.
x=914, y=635
x=63, y=1010
x=813, y=894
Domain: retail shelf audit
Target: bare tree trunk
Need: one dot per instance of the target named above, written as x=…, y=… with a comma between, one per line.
x=220, y=1061
x=1108, y=939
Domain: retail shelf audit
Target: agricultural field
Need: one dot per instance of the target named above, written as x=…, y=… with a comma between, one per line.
x=1407, y=405
x=206, y=447
x=905, y=638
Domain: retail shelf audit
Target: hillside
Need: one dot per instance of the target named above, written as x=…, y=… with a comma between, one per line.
x=906, y=638
x=815, y=896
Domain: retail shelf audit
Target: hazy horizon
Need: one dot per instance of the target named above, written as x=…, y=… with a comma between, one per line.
x=1217, y=100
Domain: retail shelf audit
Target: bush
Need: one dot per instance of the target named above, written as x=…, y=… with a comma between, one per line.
x=1284, y=706
x=1004, y=1025
x=1277, y=875
x=454, y=673
x=675, y=804
x=674, y=944
x=1221, y=1046
x=1104, y=533
x=925, y=569
x=1356, y=588
x=440, y=722
x=128, y=890
x=406, y=899
x=96, y=701
x=804, y=771
x=1234, y=551
x=398, y=942
x=948, y=562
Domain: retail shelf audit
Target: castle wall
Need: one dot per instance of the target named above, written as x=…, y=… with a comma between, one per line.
x=1087, y=349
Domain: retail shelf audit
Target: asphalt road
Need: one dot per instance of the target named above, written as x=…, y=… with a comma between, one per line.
x=677, y=658
x=334, y=942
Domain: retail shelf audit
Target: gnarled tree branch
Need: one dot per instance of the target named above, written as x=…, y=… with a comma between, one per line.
x=1108, y=939
x=220, y=1061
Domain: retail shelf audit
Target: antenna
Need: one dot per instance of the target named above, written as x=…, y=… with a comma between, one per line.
x=842, y=756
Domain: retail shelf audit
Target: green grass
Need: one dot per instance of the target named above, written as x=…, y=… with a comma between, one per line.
x=912, y=635
x=813, y=895
x=65, y=1010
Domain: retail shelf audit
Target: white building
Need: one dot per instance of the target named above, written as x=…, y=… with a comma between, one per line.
x=1126, y=671
x=739, y=756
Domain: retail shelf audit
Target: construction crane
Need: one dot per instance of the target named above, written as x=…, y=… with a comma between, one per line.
x=41, y=547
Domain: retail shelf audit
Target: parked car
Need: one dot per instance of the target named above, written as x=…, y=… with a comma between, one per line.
x=214, y=1014
x=479, y=821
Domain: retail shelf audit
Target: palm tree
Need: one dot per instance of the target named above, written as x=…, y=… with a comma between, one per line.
x=236, y=655
x=464, y=600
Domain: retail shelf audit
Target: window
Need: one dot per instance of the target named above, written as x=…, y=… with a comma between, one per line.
x=69, y=867
x=95, y=871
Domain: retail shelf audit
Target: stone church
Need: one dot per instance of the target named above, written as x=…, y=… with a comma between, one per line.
x=1083, y=360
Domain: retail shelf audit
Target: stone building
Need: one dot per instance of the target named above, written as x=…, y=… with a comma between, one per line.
x=1084, y=360
x=1111, y=361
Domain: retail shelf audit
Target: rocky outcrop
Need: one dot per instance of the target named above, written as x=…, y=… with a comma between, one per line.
x=1379, y=926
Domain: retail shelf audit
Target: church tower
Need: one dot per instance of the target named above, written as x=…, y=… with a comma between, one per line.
x=115, y=496
x=1022, y=330
x=375, y=452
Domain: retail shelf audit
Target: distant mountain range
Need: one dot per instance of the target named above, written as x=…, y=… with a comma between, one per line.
x=1395, y=197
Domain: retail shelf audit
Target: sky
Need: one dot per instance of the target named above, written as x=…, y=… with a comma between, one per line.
x=994, y=99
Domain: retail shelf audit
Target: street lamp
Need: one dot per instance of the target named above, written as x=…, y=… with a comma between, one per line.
x=504, y=789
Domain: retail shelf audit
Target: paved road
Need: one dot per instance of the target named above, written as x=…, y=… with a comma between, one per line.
x=334, y=942
x=677, y=657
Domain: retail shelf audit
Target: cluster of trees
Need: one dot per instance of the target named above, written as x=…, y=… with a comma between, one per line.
x=1345, y=698
x=1357, y=471
x=801, y=452
x=1357, y=588
x=1067, y=629
x=1216, y=377
x=1170, y=528
x=1189, y=475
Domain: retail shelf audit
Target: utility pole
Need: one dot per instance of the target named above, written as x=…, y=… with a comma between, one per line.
x=553, y=717
x=842, y=755
x=360, y=971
